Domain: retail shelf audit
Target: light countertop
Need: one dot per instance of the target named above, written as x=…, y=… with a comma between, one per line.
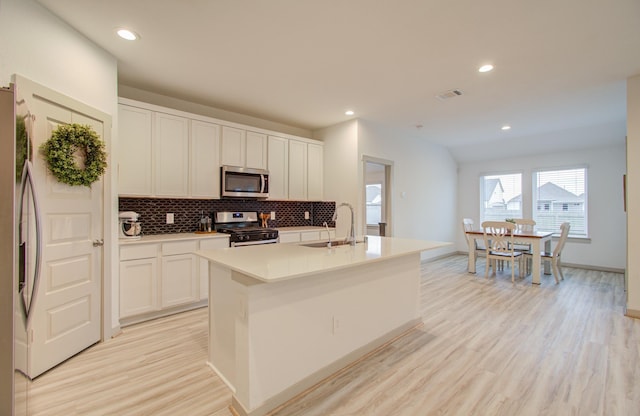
x=162, y=238
x=301, y=228
x=277, y=262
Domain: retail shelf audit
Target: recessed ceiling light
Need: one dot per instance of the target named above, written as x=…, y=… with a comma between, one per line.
x=506, y=127
x=349, y=112
x=127, y=34
x=485, y=68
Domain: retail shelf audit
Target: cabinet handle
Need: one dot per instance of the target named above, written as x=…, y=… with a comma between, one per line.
x=98, y=243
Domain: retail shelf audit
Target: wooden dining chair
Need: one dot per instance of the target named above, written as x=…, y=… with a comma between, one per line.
x=554, y=257
x=498, y=239
x=472, y=243
x=468, y=225
x=524, y=225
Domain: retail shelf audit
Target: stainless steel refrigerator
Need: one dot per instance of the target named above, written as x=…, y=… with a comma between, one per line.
x=20, y=251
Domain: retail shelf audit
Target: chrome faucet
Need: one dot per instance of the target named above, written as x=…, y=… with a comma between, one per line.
x=351, y=239
x=328, y=234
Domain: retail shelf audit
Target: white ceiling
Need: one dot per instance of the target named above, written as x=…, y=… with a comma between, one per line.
x=559, y=77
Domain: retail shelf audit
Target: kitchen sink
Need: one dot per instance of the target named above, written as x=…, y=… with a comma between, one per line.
x=333, y=244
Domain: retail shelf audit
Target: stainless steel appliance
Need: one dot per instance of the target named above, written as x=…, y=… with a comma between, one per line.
x=20, y=251
x=243, y=228
x=129, y=226
x=238, y=182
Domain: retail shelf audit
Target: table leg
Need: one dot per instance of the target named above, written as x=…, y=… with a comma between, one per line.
x=472, y=254
x=547, y=249
x=535, y=269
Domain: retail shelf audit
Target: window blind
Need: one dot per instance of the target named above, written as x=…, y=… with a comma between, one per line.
x=560, y=196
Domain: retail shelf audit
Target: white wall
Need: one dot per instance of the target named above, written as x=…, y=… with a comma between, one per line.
x=633, y=195
x=424, y=172
x=341, y=170
x=607, y=221
x=39, y=46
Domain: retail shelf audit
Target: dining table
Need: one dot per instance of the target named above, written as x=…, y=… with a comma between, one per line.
x=536, y=239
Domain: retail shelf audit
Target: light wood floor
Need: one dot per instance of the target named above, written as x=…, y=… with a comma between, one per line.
x=488, y=347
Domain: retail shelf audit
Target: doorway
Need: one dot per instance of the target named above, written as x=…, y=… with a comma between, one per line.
x=377, y=192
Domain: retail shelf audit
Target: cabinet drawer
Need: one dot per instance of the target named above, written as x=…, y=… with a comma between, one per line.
x=179, y=247
x=214, y=243
x=142, y=251
x=309, y=236
x=289, y=237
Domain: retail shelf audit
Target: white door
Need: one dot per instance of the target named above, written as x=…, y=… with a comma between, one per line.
x=67, y=308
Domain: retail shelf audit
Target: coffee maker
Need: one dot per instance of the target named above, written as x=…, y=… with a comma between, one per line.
x=130, y=227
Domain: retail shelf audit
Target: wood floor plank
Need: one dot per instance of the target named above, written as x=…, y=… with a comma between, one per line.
x=487, y=347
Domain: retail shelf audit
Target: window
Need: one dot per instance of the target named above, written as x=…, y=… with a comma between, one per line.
x=501, y=197
x=561, y=196
x=374, y=203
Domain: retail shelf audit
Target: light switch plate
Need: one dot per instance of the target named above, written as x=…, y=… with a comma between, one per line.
x=273, y=215
x=169, y=218
x=306, y=215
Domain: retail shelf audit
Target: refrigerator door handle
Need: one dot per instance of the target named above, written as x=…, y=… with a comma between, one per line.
x=27, y=181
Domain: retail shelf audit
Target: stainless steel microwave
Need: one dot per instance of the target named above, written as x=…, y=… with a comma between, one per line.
x=238, y=182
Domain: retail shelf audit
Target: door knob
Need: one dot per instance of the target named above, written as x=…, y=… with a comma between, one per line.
x=98, y=243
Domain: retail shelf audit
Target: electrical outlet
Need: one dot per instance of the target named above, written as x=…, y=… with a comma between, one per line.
x=273, y=215
x=336, y=325
x=306, y=215
x=170, y=218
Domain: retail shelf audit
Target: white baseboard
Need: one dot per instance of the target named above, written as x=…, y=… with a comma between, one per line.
x=574, y=265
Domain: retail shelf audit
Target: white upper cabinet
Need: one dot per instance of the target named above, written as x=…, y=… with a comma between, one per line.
x=256, y=150
x=171, y=148
x=205, y=160
x=233, y=144
x=297, y=170
x=134, y=155
x=278, y=165
x=243, y=148
x=169, y=153
x=314, y=172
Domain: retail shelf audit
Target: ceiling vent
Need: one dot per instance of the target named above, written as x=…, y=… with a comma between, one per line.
x=449, y=94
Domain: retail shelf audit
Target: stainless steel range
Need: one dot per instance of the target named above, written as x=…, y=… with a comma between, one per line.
x=243, y=228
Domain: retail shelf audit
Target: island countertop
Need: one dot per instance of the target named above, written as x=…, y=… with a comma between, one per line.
x=277, y=262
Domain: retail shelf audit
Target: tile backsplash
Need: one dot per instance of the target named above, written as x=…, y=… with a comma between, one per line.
x=153, y=212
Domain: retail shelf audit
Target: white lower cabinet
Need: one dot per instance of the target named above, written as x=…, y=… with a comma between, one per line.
x=138, y=280
x=138, y=283
x=288, y=237
x=179, y=284
x=310, y=236
x=161, y=278
x=302, y=235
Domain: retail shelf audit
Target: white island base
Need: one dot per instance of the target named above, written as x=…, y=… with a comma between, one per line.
x=284, y=317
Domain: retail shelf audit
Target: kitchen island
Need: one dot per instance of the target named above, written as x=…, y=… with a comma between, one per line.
x=283, y=317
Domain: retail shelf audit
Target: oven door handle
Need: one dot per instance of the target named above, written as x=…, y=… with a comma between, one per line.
x=253, y=243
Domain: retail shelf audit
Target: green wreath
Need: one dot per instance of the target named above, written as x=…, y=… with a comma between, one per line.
x=61, y=149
